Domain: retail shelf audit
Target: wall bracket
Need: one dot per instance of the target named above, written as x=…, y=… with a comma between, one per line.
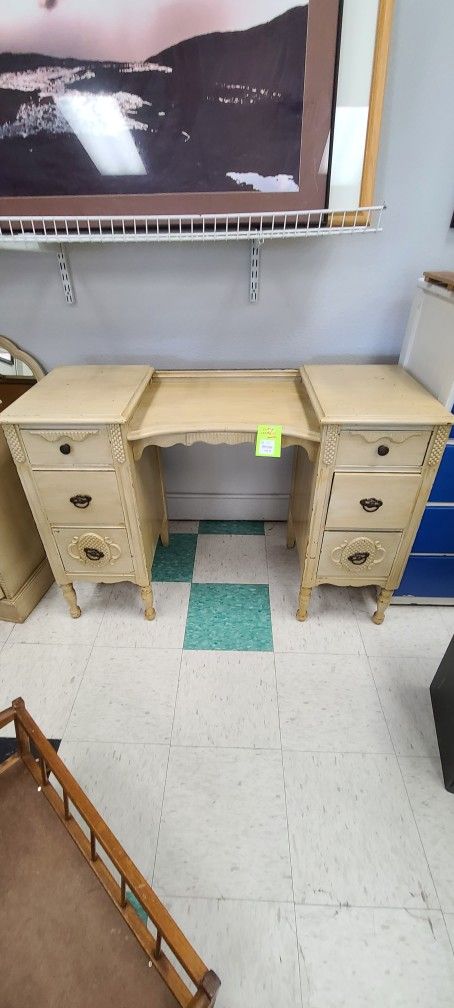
x=256, y=249
x=65, y=274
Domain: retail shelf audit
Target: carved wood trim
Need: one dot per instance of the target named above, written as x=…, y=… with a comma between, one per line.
x=395, y=437
x=14, y=443
x=439, y=444
x=116, y=442
x=91, y=541
x=57, y=435
x=369, y=552
x=330, y=444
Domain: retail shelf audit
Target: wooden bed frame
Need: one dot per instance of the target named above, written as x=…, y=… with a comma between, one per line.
x=31, y=741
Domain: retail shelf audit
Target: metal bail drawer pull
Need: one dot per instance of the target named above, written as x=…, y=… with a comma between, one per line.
x=93, y=554
x=359, y=558
x=80, y=500
x=370, y=504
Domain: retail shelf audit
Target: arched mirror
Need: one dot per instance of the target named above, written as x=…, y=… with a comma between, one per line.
x=18, y=372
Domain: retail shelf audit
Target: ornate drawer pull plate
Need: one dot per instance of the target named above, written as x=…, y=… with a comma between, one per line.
x=370, y=504
x=359, y=558
x=80, y=500
x=360, y=552
x=93, y=554
x=91, y=548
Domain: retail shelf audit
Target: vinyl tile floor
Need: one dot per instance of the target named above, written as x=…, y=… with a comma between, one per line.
x=278, y=783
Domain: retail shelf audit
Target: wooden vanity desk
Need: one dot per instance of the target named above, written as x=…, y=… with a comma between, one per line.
x=368, y=440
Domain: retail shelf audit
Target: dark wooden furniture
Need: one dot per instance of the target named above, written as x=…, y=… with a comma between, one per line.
x=442, y=696
x=62, y=940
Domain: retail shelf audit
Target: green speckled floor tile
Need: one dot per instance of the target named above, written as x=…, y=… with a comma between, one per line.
x=228, y=617
x=231, y=528
x=175, y=562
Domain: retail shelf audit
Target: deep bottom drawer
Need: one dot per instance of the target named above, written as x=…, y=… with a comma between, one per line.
x=358, y=554
x=428, y=577
x=94, y=549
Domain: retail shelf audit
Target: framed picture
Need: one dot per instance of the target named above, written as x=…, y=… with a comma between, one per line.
x=166, y=106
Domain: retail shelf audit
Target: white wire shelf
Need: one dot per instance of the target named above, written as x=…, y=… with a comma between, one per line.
x=188, y=227
x=53, y=232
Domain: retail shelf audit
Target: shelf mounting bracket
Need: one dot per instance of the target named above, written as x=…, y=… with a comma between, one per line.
x=256, y=249
x=65, y=274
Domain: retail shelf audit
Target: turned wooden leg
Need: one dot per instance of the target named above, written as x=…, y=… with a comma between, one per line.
x=165, y=532
x=383, y=601
x=71, y=598
x=290, y=533
x=147, y=595
x=303, y=604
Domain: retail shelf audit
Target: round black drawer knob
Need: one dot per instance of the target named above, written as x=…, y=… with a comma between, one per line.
x=383, y=449
x=65, y=449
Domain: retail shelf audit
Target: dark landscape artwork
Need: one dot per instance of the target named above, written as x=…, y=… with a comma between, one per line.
x=165, y=105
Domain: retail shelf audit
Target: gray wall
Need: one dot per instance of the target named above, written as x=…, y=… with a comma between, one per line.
x=337, y=298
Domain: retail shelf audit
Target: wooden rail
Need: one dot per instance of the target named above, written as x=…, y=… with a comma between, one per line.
x=206, y=982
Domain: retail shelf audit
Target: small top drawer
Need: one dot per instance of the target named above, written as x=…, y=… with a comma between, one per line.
x=67, y=449
x=382, y=449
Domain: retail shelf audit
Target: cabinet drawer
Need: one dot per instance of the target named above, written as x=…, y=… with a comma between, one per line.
x=94, y=550
x=361, y=448
x=80, y=498
x=372, y=500
x=86, y=447
x=358, y=554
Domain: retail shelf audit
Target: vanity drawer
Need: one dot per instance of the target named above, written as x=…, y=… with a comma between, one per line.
x=358, y=554
x=80, y=498
x=383, y=449
x=94, y=550
x=372, y=500
x=80, y=447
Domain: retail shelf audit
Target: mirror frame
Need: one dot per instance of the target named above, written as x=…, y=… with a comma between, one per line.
x=374, y=119
x=37, y=371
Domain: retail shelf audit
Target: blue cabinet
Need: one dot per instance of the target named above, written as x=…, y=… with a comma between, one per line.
x=430, y=569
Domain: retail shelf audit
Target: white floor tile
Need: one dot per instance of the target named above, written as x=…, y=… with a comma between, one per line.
x=283, y=565
x=231, y=559
x=449, y=921
x=125, y=783
x=331, y=627
x=251, y=946
x=47, y=677
x=224, y=828
x=352, y=833
x=127, y=695
x=380, y=958
x=433, y=807
x=408, y=631
x=124, y=624
x=5, y=629
x=329, y=704
x=275, y=532
x=447, y=615
x=50, y=622
x=227, y=699
x=183, y=526
x=403, y=687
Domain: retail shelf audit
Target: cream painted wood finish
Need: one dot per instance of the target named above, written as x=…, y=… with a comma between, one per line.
x=99, y=512
x=372, y=500
x=25, y=574
x=405, y=448
x=80, y=496
x=368, y=441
